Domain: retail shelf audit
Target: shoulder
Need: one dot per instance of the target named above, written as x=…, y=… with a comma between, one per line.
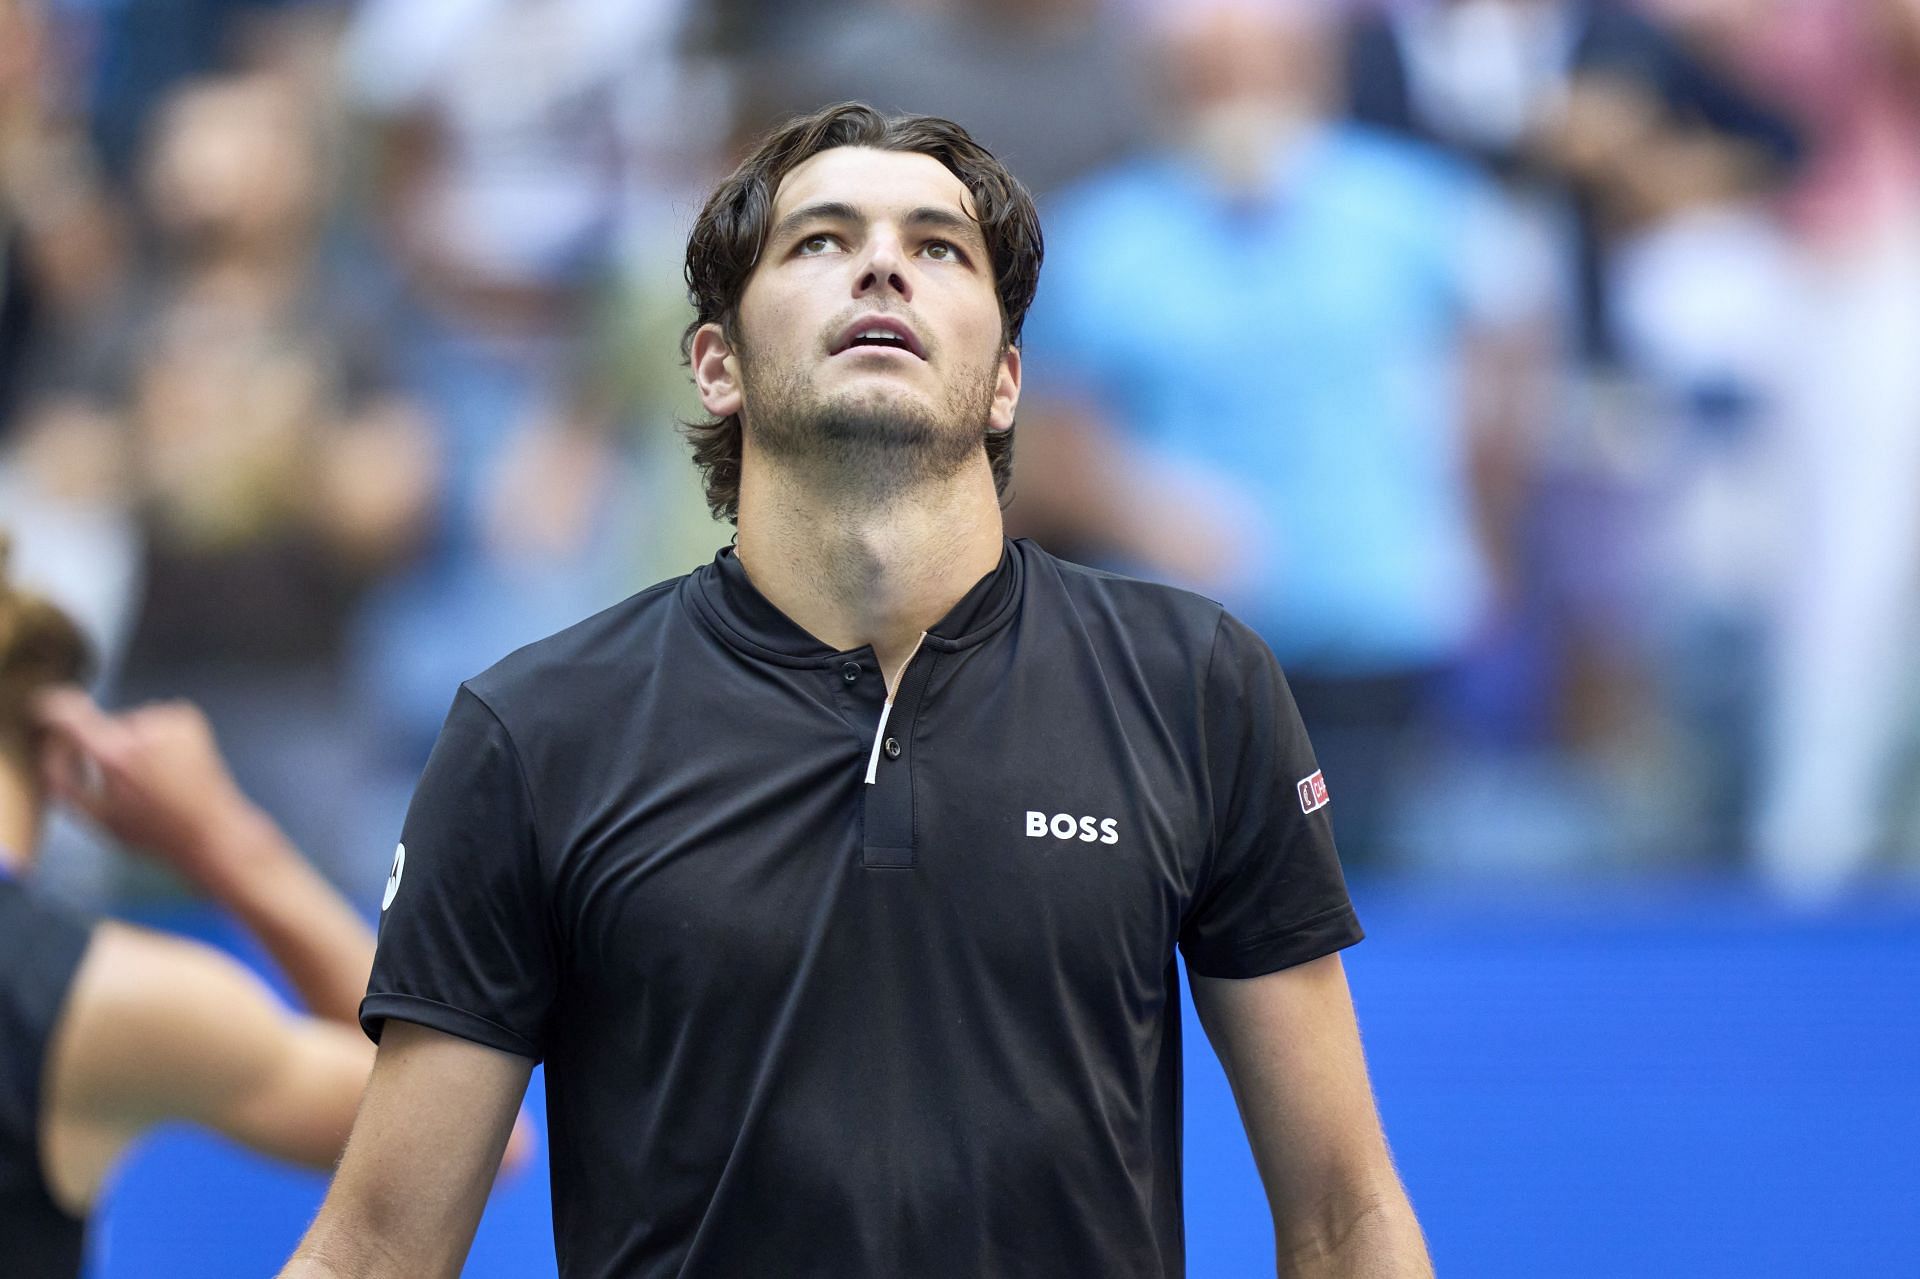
x=41, y=946
x=588, y=660
x=1110, y=204
x=138, y=979
x=1150, y=621
x=30, y=917
x=1375, y=161
x=151, y=1012
x=1143, y=177
x=1378, y=160
x=1414, y=195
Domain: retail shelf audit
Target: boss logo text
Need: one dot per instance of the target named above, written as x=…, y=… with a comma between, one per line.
x=1105, y=830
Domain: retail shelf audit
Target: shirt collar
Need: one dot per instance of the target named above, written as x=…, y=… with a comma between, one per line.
x=724, y=595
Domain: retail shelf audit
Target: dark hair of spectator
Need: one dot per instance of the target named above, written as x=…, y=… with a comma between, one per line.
x=40, y=647
x=732, y=230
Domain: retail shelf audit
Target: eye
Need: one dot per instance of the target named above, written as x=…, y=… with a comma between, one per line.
x=943, y=251
x=817, y=243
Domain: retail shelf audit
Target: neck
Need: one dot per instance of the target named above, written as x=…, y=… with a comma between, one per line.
x=19, y=817
x=1246, y=148
x=250, y=276
x=877, y=573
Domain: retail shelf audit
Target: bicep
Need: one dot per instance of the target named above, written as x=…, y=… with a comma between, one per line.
x=1291, y=1049
x=433, y=1125
x=161, y=1028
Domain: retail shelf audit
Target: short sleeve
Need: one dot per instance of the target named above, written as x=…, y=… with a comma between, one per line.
x=1272, y=894
x=465, y=945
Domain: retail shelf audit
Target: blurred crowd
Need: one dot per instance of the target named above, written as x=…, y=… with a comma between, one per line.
x=1540, y=377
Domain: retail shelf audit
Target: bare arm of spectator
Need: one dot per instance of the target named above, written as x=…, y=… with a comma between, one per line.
x=1507, y=269
x=162, y=1028
x=1080, y=484
x=1291, y=1049
x=159, y=1028
x=1507, y=396
x=154, y=779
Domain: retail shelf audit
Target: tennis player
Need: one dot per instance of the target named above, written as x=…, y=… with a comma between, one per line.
x=839, y=883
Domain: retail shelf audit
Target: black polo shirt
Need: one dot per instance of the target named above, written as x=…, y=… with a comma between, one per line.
x=41, y=948
x=801, y=1023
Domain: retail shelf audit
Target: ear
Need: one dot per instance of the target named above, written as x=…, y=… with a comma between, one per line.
x=716, y=371
x=1006, y=391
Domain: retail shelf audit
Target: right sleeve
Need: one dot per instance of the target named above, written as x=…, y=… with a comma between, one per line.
x=465, y=945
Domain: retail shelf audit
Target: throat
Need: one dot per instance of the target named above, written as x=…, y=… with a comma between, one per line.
x=881, y=580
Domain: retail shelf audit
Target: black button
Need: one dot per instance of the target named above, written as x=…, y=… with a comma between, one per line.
x=892, y=748
x=850, y=672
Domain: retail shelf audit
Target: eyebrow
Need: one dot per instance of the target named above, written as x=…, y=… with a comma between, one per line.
x=838, y=211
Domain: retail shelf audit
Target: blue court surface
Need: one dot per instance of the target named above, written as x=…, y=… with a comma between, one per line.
x=1615, y=1083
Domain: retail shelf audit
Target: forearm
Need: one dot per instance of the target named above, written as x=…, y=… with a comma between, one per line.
x=312, y=933
x=329, y=1257
x=326, y=1256
x=339, y=1245
x=1355, y=1236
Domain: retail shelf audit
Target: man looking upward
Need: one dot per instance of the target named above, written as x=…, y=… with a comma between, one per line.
x=838, y=882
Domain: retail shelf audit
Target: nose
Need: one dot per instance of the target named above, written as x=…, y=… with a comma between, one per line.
x=885, y=269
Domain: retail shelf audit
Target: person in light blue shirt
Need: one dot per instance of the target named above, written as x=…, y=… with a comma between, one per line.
x=1249, y=369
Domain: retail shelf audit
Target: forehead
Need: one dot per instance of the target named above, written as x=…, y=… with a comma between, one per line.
x=875, y=182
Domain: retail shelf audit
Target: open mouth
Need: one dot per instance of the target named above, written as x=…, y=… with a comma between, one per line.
x=881, y=334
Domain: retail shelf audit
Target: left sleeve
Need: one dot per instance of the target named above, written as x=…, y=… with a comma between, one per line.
x=1272, y=894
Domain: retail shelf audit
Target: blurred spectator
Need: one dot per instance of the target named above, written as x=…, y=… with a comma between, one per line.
x=1545, y=423
x=508, y=136
x=1841, y=733
x=1584, y=97
x=274, y=472
x=139, y=52
x=1248, y=371
x=1636, y=149
x=1052, y=87
x=519, y=150
x=60, y=243
x=62, y=255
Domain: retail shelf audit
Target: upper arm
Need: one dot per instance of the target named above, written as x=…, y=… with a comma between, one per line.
x=415, y=1178
x=1291, y=1049
x=161, y=1028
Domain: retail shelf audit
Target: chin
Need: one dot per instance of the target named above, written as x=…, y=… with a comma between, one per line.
x=871, y=408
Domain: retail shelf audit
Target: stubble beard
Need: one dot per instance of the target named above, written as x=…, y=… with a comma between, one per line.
x=871, y=447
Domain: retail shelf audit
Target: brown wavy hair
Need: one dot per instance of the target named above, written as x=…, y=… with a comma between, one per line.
x=732, y=230
x=40, y=647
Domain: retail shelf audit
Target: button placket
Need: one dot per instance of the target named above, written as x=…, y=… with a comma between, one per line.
x=889, y=834
x=859, y=698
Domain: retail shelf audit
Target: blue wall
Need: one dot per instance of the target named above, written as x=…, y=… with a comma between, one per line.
x=1614, y=1083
